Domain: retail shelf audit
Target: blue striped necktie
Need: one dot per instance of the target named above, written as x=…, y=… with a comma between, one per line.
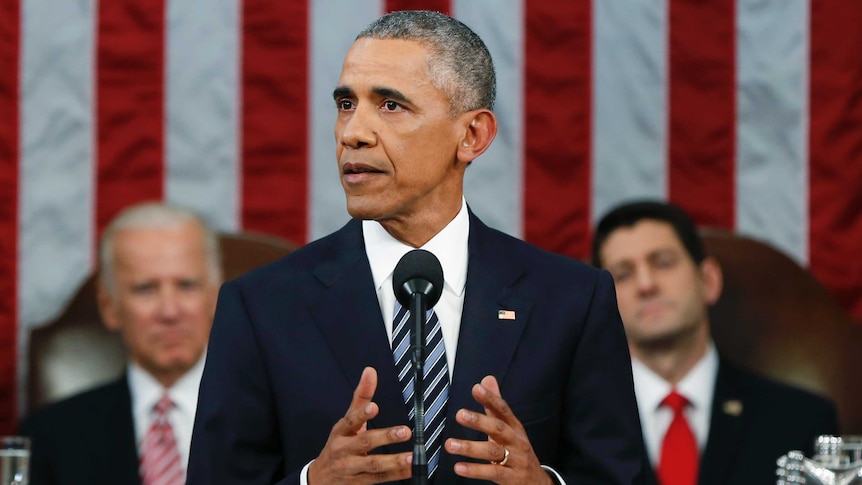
x=435, y=377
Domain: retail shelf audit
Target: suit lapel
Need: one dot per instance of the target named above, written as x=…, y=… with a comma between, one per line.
x=349, y=318
x=727, y=428
x=117, y=440
x=486, y=342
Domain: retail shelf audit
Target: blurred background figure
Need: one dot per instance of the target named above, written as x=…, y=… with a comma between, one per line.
x=158, y=283
x=704, y=420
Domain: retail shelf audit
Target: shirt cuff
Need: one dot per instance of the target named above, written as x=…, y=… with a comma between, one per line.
x=553, y=473
x=303, y=475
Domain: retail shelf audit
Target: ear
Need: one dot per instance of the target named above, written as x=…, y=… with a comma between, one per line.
x=107, y=308
x=480, y=130
x=713, y=280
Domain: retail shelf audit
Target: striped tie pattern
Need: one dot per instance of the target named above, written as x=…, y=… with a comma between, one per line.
x=435, y=377
x=160, y=459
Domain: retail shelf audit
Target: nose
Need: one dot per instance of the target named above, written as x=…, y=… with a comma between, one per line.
x=356, y=129
x=646, y=281
x=169, y=304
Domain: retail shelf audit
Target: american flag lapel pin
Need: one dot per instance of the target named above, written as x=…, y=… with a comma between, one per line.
x=732, y=407
x=505, y=314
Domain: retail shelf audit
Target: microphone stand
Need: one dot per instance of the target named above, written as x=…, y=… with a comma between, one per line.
x=420, y=461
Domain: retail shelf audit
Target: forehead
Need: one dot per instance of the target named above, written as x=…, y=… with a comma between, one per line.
x=143, y=249
x=639, y=241
x=394, y=63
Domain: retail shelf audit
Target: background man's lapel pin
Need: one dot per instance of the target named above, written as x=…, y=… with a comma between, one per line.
x=733, y=407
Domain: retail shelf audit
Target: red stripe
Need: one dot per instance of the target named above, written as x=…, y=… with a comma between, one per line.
x=9, y=151
x=557, y=119
x=130, y=105
x=442, y=6
x=275, y=118
x=703, y=110
x=835, y=145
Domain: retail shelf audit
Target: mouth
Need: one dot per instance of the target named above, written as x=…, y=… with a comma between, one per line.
x=651, y=308
x=354, y=173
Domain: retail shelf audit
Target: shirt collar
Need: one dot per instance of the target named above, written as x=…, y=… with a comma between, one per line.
x=697, y=386
x=146, y=390
x=449, y=246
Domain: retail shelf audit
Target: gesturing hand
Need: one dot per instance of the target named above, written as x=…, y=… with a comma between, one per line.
x=345, y=457
x=508, y=449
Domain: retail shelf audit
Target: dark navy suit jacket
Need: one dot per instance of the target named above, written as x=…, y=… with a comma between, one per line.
x=756, y=420
x=290, y=340
x=85, y=439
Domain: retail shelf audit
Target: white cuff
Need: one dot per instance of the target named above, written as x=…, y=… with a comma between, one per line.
x=550, y=471
x=303, y=475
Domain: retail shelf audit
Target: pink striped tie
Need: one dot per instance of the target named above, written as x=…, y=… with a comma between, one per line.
x=160, y=458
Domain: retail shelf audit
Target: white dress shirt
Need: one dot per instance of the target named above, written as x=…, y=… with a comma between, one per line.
x=146, y=391
x=450, y=247
x=698, y=386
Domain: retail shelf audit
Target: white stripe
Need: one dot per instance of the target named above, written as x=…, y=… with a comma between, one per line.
x=334, y=25
x=630, y=75
x=55, y=236
x=772, y=71
x=202, y=104
x=493, y=185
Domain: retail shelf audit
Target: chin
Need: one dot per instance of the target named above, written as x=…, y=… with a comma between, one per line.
x=363, y=211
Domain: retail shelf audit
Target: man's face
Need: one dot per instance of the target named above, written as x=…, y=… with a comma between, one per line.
x=396, y=138
x=661, y=293
x=164, y=298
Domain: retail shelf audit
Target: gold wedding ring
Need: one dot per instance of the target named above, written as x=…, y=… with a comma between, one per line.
x=504, y=460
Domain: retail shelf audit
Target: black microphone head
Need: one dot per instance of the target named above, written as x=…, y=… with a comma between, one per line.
x=418, y=271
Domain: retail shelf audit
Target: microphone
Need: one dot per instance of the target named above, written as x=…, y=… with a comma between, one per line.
x=418, y=284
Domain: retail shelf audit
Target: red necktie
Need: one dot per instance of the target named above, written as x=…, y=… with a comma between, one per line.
x=160, y=458
x=679, y=457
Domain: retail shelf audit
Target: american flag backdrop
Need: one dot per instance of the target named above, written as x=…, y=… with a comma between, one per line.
x=748, y=113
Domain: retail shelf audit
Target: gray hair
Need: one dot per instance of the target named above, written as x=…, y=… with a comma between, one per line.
x=459, y=63
x=155, y=215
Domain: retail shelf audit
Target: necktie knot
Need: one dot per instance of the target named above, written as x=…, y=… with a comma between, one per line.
x=675, y=401
x=163, y=406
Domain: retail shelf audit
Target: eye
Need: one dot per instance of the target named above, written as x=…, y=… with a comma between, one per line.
x=665, y=261
x=621, y=276
x=143, y=288
x=389, y=105
x=344, y=104
x=189, y=284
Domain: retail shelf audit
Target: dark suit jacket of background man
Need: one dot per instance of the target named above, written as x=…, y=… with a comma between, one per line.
x=755, y=421
x=290, y=341
x=85, y=439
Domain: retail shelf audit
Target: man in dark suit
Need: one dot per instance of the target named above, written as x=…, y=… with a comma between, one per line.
x=734, y=424
x=158, y=283
x=300, y=384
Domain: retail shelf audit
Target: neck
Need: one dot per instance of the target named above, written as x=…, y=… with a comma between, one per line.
x=418, y=230
x=675, y=360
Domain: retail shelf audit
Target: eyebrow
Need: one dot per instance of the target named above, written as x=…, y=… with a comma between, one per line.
x=341, y=92
x=393, y=94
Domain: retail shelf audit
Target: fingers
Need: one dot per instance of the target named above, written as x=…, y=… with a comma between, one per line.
x=355, y=421
x=364, y=442
x=361, y=408
x=345, y=457
x=487, y=393
x=498, y=430
x=379, y=468
x=361, y=469
x=490, y=383
x=481, y=450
